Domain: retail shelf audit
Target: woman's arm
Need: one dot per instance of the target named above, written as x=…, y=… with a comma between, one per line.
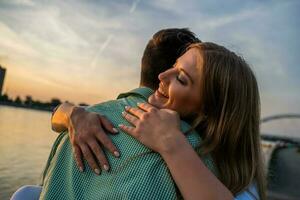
x=160, y=131
x=193, y=178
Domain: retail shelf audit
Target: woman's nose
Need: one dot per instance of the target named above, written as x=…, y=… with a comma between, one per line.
x=165, y=75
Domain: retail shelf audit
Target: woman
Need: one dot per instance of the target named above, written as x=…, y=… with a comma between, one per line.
x=225, y=110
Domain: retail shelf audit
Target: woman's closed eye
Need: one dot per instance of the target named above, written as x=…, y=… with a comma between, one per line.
x=180, y=79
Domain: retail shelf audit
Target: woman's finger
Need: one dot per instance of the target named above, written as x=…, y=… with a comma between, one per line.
x=146, y=106
x=98, y=152
x=107, y=124
x=78, y=157
x=135, y=111
x=172, y=112
x=129, y=130
x=89, y=157
x=107, y=143
x=130, y=118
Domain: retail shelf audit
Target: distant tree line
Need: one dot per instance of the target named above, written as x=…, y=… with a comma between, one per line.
x=29, y=102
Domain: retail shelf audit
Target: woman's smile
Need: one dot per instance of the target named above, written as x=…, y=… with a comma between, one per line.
x=162, y=91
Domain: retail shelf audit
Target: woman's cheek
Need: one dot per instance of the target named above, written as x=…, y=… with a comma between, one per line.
x=187, y=102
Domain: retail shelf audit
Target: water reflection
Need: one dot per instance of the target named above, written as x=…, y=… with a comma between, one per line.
x=26, y=139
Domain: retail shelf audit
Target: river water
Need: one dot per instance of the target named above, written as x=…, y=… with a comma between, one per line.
x=25, y=142
x=26, y=139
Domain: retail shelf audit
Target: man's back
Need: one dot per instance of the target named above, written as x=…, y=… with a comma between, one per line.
x=138, y=174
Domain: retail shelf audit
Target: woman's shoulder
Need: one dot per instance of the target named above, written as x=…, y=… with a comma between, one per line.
x=249, y=194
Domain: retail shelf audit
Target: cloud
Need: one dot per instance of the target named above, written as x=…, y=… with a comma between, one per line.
x=134, y=5
x=91, y=44
x=20, y=2
x=101, y=49
x=10, y=41
x=218, y=22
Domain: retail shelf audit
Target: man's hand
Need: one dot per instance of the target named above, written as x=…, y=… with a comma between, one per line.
x=87, y=136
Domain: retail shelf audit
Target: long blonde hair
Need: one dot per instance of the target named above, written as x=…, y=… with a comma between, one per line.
x=230, y=118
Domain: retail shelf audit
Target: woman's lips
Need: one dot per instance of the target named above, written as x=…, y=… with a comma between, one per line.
x=161, y=93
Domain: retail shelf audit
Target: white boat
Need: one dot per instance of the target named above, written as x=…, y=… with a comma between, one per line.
x=282, y=155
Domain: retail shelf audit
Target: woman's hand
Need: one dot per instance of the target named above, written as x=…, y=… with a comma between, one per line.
x=158, y=129
x=87, y=135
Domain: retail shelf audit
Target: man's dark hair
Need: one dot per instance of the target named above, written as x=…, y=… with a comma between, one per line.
x=162, y=51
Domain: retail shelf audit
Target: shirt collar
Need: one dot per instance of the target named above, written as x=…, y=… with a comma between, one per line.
x=144, y=92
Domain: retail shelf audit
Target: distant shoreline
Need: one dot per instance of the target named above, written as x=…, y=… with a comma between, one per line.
x=12, y=104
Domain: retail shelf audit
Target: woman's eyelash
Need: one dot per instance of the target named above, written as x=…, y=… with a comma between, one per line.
x=178, y=79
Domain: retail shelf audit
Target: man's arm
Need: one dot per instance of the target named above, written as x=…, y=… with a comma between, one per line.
x=87, y=132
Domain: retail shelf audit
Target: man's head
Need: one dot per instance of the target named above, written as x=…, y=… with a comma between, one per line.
x=162, y=51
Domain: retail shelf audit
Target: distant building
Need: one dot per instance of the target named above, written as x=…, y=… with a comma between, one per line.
x=2, y=76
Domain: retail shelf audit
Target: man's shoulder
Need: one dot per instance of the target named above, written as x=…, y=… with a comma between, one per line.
x=130, y=98
x=114, y=105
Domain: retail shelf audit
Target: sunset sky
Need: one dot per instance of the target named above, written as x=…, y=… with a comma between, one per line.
x=89, y=51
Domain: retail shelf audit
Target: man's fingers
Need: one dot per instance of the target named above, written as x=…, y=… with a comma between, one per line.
x=146, y=106
x=78, y=157
x=129, y=130
x=76, y=150
x=107, y=124
x=98, y=152
x=107, y=143
x=89, y=158
x=135, y=111
x=130, y=118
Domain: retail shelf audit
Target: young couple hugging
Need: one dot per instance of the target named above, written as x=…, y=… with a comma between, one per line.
x=190, y=130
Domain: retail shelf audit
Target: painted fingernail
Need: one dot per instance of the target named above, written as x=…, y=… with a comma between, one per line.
x=80, y=169
x=121, y=125
x=117, y=154
x=123, y=113
x=139, y=103
x=115, y=130
x=127, y=107
x=105, y=167
x=97, y=171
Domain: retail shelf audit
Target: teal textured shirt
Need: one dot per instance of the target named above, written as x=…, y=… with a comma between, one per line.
x=139, y=173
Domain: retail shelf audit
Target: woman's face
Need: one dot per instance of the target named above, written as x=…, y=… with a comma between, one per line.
x=180, y=86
